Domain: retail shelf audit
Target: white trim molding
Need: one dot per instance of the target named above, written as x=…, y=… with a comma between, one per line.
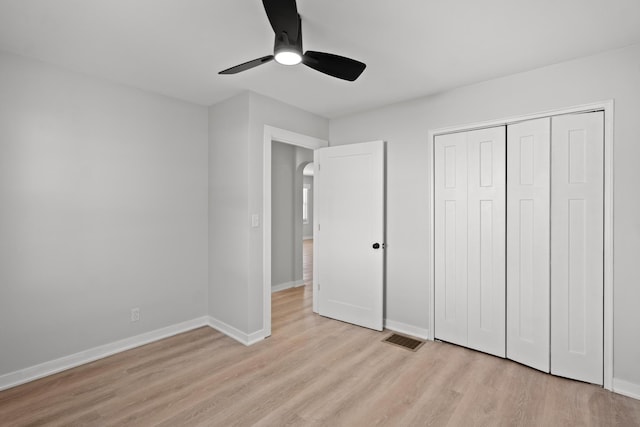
x=608, y=108
x=235, y=333
x=280, y=135
x=626, y=388
x=404, y=328
x=286, y=285
x=51, y=367
x=55, y=366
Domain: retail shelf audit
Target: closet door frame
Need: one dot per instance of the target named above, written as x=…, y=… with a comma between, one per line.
x=608, y=108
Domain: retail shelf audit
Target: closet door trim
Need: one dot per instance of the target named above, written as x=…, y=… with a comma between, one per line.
x=608, y=108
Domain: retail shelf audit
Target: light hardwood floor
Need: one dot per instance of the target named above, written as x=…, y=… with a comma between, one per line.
x=312, y=371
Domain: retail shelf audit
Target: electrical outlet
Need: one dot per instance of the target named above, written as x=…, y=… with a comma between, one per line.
x=135, y=314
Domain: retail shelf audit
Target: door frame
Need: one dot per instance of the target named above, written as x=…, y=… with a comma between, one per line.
x=608, y=108
x=274, y=134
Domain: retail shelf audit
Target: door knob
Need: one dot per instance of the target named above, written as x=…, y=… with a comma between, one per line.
x=376, y=246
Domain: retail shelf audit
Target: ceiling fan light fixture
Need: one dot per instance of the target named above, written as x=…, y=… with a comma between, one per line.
x=288, y=57
x=287, y=47
x=286, y=51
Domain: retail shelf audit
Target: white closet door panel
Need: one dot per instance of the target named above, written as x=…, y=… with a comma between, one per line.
x=450, y=153
x=577, y=246
x=486, y=234
x=528, y=233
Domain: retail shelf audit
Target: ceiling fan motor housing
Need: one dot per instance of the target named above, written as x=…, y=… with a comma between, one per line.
x=283, y=46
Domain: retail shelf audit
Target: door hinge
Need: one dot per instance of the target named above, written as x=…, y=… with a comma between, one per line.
x=318, y=286
x=318, y=227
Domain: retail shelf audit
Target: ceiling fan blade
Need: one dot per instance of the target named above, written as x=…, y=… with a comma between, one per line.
x=247, y=65
x=334, y=65
x=283, y=16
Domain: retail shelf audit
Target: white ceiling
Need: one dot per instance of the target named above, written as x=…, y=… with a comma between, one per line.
x=411, y=47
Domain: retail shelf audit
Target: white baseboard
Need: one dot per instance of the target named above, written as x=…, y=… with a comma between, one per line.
x=235, y=333
x=32, y=373
x=255, y=337
x=626, y=388
x=404, y=328
x=51, y=367
x=286, y=285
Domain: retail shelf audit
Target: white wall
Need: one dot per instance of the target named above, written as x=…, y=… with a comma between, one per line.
x=228, y=211
x=103, y=207
x=614, y=74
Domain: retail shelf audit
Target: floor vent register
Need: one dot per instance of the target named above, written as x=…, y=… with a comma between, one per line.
x=404, y=342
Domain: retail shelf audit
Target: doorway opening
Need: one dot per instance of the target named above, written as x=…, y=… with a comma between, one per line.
x=284, y=137
x=291, y=197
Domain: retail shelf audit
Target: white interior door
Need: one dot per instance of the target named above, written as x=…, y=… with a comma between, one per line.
x=577, y=246
x=528, y=234
x=350, y=201
x=451, y=238
x=486, y=232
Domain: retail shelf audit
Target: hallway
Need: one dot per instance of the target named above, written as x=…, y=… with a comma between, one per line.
x=307, y=261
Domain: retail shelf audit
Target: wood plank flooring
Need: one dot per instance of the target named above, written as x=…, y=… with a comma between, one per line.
x=313, y=371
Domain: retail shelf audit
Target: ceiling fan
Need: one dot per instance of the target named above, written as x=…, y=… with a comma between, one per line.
x=286, y=24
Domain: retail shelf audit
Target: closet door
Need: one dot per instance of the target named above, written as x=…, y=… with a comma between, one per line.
x=469, y=239
x=450, y=160
x=486, y=233
x=528, y=233
x=577, y=246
